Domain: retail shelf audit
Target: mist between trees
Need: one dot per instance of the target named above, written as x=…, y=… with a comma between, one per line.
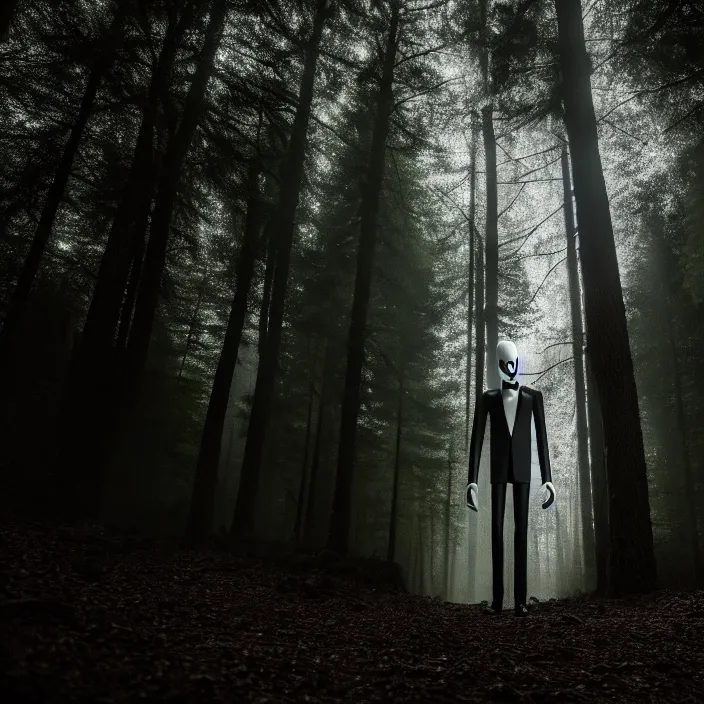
x=256, y=258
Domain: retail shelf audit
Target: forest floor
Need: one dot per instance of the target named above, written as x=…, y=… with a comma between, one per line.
x=92, y=615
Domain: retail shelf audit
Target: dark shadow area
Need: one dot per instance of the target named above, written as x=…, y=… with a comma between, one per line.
x=90, y=614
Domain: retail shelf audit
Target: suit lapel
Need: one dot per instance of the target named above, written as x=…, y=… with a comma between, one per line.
x=502, y=411
x=518, y=407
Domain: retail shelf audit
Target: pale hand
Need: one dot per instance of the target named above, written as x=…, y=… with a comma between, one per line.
x=551, y=496
x=472, y=497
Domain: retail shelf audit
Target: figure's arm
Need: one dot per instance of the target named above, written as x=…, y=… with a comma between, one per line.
x=541, y=438
x=475, y=450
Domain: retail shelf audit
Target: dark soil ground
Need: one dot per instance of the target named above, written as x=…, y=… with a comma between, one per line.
x=90, y=615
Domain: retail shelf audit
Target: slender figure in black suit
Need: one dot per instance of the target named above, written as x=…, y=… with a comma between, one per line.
x=511, y=409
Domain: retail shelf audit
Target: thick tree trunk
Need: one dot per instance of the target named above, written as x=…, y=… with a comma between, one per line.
x=92, y=393
x=448, y=514
x=169, y=179
x=433, y=553
x=291, y=181
x=480, y=343
x=133, y=210
x=474, y=316
x=600, y=498
x=492, y=250
x=479, y=325
x=560, y=542
x=298, y=523
x=266, y=293
x=631, y=566
x=421, y=560
x=690, y=485
x=393, y=517
x=585, y=490
x=413, y=571
x=200, y=520
x=491, y=234
x=127, y=310
x=480, y=337
x=470, y=283
x=312, y=505
x=371, y=196
x=666, y=264
x=32, y=262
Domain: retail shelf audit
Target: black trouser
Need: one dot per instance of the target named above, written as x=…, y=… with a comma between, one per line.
x=520, y=515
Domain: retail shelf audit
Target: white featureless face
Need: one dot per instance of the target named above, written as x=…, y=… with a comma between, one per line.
x=507, y=356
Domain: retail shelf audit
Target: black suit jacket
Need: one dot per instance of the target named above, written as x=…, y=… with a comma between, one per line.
x=530, y=404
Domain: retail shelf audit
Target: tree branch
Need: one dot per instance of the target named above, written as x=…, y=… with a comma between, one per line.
x=530, y=180
x=398, y=103
x=431, y=6
x=628, y=134
x=552, y=268
x=555, y=344
x=658, y=89
x=688, y=114
x=526, y=156
x=410, y=57
x=464, y=215
x=542, y=166
x=333, y=131
x=544, y=220
x=508, y=207
x=541, y=254
x=545, y=371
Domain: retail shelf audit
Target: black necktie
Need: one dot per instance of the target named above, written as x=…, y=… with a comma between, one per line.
x=509, y=385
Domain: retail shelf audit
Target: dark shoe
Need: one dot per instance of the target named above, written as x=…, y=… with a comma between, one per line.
x=520, y=610
x=493, y=610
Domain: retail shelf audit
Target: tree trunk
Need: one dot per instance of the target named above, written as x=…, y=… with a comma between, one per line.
x=142, y=206
x=421, y=560
x=600, y=498
x=91, y=399
x=169, y=179
x=266, y=293
x=479, y=326
x=298, y=524
x=492, y=251
x=127, y=311
x=371, y=196
x=480, y=337
x=433, y=554
x=291, y=181
x=560, y=541
x=475, y=309
x=30, y=269
x=491, y=234
x=413, y=571
x=312, y=504
x=448, y=512
x=665, y=261
x=470, y=282
x=631, y=565
x=132, y=212
x=393, y=518
x=585, y=491
x=690, y=486
x=200, y=521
